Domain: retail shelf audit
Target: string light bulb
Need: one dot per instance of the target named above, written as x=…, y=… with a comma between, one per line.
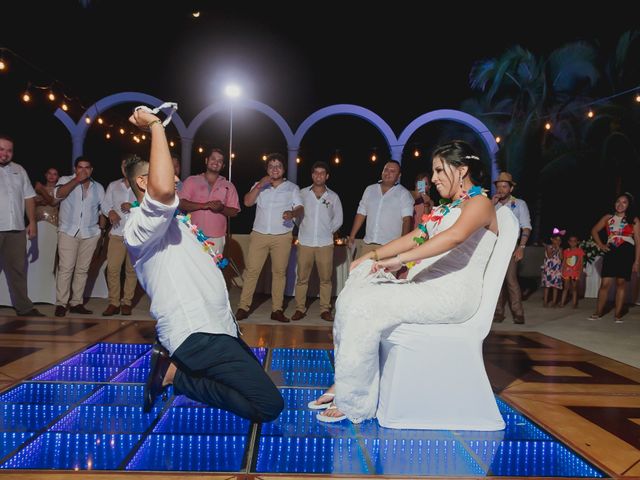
x=638, y=98
x=498, y=139
x=143, y=136
x=64, y=107
x=200, y=150
x=416, y=153
x=87, y=120
x=3, y=65
x=26, y=98
x=264, y=158
x=233, y=155
x=51, y=96
x=298, y=160
x=172, y=144
x=590, y=114
x=195, y=14
x=100, y=120
x=107, y=136
x=121, y=131
x=547, y=126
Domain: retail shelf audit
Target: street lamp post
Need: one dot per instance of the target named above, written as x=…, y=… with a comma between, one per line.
x=232, y=91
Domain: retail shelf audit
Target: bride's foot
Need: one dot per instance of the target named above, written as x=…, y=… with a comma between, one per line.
x=331, y=415
x=323, y=401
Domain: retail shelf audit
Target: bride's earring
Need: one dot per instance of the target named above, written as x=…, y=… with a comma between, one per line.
x=460, y=180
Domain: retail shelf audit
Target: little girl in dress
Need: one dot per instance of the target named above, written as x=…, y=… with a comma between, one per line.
x=571, y=270
x=552, y=269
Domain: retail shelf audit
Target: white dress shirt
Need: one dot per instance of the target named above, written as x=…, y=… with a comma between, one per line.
x=385, y=212
x=15, y=188
x=187, y=290
x=78, y=215
x=117, y=193
x=519, y=209
x=322, y=217
x=272, y=203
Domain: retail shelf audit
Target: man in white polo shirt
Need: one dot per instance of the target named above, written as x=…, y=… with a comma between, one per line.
x=202, y=356
x=388, y=209
x=322, y=218
x=278, y=203
x=79, y=227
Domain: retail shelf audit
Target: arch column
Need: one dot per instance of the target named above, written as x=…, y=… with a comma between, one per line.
x=292, y=166
x=185, y=158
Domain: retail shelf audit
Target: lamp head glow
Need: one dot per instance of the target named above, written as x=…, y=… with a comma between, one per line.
x=232, y=91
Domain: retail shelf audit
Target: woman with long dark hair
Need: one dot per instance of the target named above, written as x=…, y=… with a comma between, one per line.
x=621, y=252
x=461, y=236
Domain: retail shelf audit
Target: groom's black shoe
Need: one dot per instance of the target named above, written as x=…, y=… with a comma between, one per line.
x=160, y=362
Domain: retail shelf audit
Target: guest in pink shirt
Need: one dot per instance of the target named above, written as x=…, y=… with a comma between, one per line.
x=211, y=199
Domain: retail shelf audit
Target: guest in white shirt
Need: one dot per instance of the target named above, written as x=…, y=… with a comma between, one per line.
x=388, y=209
x=16, y=197
x=189, y=299
x=116, y=207
x=79, y=228
x=278, y=203
x=322, y=218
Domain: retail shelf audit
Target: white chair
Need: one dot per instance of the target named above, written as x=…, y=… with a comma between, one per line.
x=432, y=377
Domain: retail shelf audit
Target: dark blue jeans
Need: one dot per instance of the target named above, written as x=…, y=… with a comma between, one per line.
x=223, y=372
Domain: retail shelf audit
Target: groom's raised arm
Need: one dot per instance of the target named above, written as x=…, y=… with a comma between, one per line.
x=160, y=184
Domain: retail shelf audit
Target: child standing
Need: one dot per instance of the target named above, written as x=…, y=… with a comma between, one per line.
x=552, y=269
x=572, y=259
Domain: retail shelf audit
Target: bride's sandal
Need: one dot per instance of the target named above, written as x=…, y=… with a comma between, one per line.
x=327, y=419
x=316, y=405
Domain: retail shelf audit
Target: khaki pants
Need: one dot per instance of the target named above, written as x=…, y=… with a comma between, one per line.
x=116, y=256
x=366, y=248
x=74, y=258
x=510, y=289
x=13, y=260
x=323, y=258
x=260, y=246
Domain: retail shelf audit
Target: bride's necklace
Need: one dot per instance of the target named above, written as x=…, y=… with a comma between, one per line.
x=438, y=213
x=207, y=245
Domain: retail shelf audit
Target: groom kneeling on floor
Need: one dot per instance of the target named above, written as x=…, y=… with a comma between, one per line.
x=204, y=358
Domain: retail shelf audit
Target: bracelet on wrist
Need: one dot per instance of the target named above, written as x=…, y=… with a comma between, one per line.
x=375, y=256
x=522, y=246
x=153, y=123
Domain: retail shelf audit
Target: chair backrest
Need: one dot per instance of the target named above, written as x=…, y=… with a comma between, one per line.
x=508, y=229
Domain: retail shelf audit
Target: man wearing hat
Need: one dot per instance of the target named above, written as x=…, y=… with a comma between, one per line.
x=503, y=198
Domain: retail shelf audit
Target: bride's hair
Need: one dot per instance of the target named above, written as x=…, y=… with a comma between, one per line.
x=459, y=153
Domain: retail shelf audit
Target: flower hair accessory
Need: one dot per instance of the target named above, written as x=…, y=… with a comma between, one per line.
x=557, y=231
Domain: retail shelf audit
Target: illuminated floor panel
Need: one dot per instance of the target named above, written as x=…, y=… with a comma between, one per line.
x=86, y=414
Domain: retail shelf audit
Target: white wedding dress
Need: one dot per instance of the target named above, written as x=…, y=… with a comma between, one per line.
x=442, y=289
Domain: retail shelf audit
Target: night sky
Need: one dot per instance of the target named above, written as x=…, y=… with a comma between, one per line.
x=393, y=60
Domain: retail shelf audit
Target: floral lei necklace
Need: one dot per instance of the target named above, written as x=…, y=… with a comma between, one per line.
x=438, y=213
x=207, y=245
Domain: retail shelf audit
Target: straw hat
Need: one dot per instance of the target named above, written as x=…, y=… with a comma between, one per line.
x=505, y=177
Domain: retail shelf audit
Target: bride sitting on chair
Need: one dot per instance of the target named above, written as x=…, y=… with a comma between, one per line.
x=444, y=284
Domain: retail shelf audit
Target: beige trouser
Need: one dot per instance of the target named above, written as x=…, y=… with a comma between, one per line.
x=366, y=248
x=74, y=258
x=511, y=289
x=260, y=246
x=116, y=256
x=13, y=252
x=323, y=258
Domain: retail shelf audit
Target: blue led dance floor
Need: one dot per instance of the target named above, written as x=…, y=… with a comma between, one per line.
x=86, y=414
